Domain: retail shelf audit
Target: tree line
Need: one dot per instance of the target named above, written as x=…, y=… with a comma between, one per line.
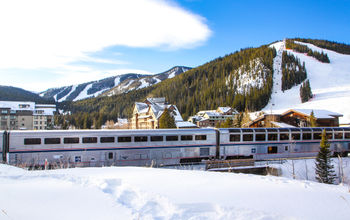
x=293, y=72
x=322, y=57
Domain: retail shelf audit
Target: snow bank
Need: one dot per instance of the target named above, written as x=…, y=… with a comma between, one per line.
x=147, y=193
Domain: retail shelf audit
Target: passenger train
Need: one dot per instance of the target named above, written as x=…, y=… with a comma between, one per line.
x=85, y=148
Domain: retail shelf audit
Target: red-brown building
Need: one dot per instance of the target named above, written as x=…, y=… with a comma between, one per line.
x=297, y=118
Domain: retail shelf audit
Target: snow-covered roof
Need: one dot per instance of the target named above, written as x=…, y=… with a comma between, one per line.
x=18, y=105
x=318, y=113
x=141, y=107
x=185, y=124
x=282, y=125
x=224, y=109
x=156, y=100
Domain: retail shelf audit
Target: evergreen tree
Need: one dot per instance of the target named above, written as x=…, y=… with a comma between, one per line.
x=312, y=119
x=228, y=123
x=324, y=168
x=166, y=120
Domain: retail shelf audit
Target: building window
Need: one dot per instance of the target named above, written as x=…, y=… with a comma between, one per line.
x=3, y=111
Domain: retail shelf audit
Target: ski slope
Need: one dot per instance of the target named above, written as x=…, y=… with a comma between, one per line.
x=330, y=83
x=149, y=193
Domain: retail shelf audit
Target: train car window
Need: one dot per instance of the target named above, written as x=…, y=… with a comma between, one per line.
x=235, y=130
x=295, y=129
x=306, y=136
x=107, y=139
x=186, y=137
x=204, y=151
x=347, y=135
x=235, y=137
x=72, y=140
x=77, y=159
x=305, y=129
x=247, y=137
x=272, y=137
x=329, y=135
x=260, y=137
x=253, y=150
x=337, y=129
x=32, y=141
x=172, y=138
x=140, y=139
x=110, y=155
x=338, y=135
x=285, y=148
x=247, y=130
x=259, y=129
x=272, y=149
x=295, y=136
x=156, y=138
x=271, y=130
x=284, y=130
x=52, y=140
x=201, y=137
x=317, y=136
x=284, y=137
x=88, y=140
x=124, y=139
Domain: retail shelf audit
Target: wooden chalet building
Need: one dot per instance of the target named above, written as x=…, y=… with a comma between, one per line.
x=297, y=118
x=146, y=114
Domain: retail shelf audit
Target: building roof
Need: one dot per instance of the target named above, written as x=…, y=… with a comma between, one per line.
x=282, y=125
x=318, y=113
x=160, y=100
x=141, y=107
x=185, y=124
x=225, y=109
x=18, y=105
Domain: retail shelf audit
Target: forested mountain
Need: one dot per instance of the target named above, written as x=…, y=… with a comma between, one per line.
x=243, y=80
x=9, y=93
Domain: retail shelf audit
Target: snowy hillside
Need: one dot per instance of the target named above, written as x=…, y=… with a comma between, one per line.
x=110, y=86
x=330, y=83
x=148, y=193
x=140, y=83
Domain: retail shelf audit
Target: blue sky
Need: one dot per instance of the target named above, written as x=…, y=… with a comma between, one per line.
x=49, y=44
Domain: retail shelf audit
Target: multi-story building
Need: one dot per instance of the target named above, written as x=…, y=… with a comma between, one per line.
x=26, y=116
x=211, y=118
x=146, y=114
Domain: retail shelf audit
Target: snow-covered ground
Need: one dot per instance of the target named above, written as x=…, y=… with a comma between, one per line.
x=330, y=84
x=148, y=193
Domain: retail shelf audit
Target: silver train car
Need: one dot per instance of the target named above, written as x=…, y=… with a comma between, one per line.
x=270, y=143
x=86, y=148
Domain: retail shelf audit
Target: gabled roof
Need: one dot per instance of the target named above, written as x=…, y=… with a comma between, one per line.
x=141, y=107
x=185, y=124
x=318, y=113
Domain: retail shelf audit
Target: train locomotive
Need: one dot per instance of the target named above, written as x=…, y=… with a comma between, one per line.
x=161, y=147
